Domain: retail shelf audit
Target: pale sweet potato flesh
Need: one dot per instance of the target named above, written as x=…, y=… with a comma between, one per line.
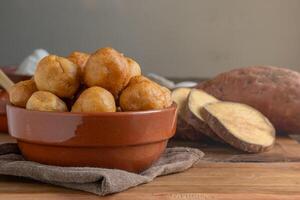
x=196, y=100
x=240, y=126
x=179, y=96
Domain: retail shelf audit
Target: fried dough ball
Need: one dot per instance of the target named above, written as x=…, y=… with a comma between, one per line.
x=167, y=94
x=57, y=75
x=21, y=92
x=139, y=79
x=70, y=101
x=134, y=68
x=95, y=99
x=79, y=58
x=144, y=94
x=107, y=68
x=45, y=101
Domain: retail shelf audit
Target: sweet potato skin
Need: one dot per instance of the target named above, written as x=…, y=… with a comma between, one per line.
x=186, y=132
x=274, y=91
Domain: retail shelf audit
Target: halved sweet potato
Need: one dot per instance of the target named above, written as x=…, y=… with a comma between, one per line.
x=184, y=130
x=274, y=91
x=196, y=100
x=240, y=125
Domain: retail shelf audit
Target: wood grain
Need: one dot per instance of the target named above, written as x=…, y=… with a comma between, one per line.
x=206, y=180
x=284, y=150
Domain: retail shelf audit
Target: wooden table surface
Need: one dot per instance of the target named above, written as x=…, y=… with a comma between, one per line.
x=206, y=180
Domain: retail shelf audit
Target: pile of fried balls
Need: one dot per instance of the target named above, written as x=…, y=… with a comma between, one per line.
x=105, y=81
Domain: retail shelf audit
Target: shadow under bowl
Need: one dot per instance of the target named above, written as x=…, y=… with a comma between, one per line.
x=130, y=141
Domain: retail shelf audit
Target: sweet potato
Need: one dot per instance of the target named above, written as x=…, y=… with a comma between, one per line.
x=196, y=100
x=272, y=90
x=240, y=125
x=184, y=130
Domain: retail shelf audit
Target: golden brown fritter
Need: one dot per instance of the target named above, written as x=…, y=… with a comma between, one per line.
x=79, y=58
x=45, y=101
x=21, y=92
x=107, y=68
x=134, y=68
x=95, y=99
x=167, y=94
x=57, y=75
x=144, y=94
x=138, y=79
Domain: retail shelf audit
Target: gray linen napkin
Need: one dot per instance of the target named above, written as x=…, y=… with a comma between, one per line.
x=99, y=181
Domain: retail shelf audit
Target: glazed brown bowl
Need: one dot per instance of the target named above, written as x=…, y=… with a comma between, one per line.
x=129, y=141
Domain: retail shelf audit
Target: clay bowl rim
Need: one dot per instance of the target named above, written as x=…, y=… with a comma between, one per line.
x=170, y=109
x=95, y=114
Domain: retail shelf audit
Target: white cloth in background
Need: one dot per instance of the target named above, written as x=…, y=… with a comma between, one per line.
x=168, y=83
x=28, y=66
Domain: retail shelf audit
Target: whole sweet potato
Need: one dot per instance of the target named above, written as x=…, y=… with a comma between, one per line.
x=272, y=90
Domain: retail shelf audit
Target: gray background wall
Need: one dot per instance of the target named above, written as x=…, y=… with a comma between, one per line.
x=170, y=37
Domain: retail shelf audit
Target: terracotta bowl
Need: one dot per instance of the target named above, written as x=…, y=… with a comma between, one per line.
x=4, y=99
x=129, y=141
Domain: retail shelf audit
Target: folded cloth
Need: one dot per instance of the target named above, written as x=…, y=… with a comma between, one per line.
x=99, y=181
